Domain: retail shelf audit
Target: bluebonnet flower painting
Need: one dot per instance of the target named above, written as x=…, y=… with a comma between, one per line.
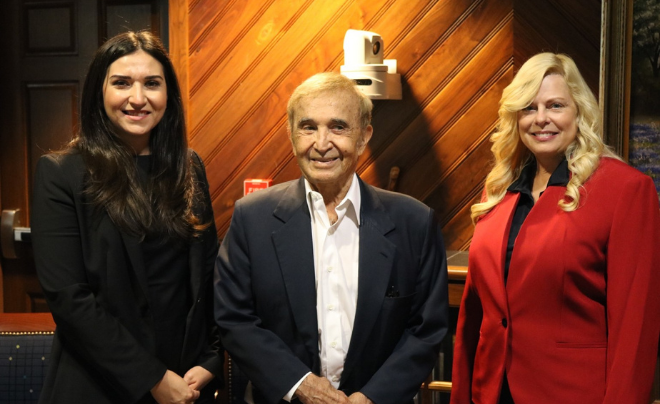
x=644, y=149
x=644, y=137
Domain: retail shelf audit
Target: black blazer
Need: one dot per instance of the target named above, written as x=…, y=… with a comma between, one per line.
x=266, y=298
x=94, y=280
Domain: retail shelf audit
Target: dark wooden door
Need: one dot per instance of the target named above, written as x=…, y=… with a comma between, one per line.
x=46, y=46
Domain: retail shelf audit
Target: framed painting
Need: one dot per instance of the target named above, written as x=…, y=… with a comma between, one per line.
x=630, y=91
x=630, y=82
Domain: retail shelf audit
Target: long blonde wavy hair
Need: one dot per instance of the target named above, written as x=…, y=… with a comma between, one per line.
x=511, y=155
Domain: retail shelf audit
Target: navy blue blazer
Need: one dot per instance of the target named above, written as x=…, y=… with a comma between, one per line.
x=94, y=280
x=265, y=295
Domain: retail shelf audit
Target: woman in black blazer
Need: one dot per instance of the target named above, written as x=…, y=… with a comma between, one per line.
x=125, y=242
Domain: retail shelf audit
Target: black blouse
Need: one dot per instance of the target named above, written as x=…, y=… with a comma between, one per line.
x=168, y=278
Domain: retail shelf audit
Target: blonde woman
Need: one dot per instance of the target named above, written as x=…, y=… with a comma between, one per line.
x=561, y=303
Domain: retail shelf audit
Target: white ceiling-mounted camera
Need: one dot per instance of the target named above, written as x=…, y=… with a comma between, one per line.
x=363, y=62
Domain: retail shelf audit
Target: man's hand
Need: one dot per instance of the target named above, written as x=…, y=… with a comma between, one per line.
x=198, y=377
x=318, y=390
x=359, y=398
x=172, y=389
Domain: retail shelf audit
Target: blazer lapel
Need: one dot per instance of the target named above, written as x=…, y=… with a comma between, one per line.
x=497, y=227
x=195, y=266
x=295, y=254
x=375, y=265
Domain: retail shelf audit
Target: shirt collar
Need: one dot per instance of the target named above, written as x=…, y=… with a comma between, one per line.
x=523, y=184
x=352, y=198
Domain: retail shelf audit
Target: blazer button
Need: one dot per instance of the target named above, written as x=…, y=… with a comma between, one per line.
x=504, y=323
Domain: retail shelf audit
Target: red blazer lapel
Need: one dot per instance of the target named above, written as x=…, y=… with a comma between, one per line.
x=491, y=235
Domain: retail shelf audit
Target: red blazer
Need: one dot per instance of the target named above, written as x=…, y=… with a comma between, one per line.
x=579, y=320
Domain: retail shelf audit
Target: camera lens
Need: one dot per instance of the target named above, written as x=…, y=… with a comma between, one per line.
x=363, y=82
x=376, y=48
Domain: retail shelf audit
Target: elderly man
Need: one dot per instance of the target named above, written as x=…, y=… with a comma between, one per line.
x=329, y=290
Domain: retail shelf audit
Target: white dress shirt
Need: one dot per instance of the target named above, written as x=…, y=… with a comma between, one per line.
x=336, y=254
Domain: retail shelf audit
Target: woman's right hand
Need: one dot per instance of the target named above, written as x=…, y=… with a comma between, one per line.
x=172, y=389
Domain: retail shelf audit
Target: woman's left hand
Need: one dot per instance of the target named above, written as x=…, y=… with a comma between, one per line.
x=198, y=377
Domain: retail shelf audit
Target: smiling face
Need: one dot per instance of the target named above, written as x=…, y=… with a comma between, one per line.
x=327, y=140
x=135, y=98
x=549, y=124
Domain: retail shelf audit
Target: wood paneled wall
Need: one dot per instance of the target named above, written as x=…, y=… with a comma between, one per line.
x=562, y=26
x=239, y=60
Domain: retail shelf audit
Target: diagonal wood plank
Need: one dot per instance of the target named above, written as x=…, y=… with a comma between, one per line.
x=240, y=60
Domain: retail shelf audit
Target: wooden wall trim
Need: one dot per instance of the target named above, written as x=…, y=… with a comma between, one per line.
x=193, y=4
x=616, y=51
x=27, y=322
x=178, y=32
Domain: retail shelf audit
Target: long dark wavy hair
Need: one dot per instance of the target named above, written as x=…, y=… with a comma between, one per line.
x=112, y=184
